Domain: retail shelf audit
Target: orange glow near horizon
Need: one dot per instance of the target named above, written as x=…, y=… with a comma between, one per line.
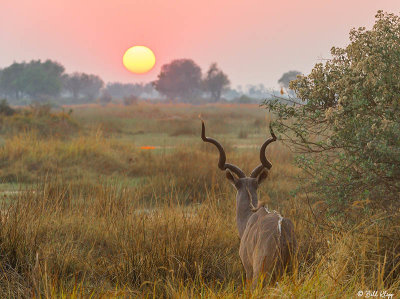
x=247, y=46
x=139, y=59
x=147, y=147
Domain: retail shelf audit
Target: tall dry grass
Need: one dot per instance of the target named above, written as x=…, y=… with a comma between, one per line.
x=104, y=219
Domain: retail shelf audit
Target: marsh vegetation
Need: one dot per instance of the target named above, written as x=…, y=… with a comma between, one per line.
x=96, y=210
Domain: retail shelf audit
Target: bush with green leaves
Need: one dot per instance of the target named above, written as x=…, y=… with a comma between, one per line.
x=5, y=108
x=38, y=119
x=346, y=129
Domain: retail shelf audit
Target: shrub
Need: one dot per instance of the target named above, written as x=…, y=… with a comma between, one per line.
x=38, y=118
x=348, y=127
x=105, y=98
x=130, y=100
x=243, y=134
x=347, y=134
x=244, y=99
x=5, y=108
x=39, y=110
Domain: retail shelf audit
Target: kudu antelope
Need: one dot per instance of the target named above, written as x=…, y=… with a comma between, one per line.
x=267, y=240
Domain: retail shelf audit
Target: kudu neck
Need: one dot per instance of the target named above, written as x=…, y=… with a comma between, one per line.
x=245, y=202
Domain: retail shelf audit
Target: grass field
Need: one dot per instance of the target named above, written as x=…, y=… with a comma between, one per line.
x=95, y=210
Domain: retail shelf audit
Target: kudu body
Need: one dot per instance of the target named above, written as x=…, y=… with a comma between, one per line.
x=267, y=240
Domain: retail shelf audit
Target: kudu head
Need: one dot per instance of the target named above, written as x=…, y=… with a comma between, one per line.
x=246, y=186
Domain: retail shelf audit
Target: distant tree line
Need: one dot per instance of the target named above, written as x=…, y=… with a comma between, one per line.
x=43, y=81
x=180, y=80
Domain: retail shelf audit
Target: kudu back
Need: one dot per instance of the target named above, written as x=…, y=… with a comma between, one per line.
x=267, y=240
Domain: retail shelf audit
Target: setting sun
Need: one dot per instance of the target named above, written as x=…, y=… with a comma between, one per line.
x=139, y=59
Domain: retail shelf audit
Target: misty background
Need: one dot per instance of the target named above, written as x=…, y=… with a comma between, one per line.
x=181, y=80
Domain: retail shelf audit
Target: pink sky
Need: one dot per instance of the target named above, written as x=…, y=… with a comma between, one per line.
x=252, y=41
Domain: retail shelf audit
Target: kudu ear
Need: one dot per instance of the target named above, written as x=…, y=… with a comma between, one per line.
x=231, y=177
x=262, y=176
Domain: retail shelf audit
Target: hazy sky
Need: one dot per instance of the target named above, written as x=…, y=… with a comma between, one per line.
x=252, y=41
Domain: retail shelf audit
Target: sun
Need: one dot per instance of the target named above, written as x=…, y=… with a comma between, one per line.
x=139, y=59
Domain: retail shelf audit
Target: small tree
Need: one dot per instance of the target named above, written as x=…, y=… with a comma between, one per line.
x=179, y=79
x=92, y=85
x=74, y=84
x=42, y=80
x=215, y=82
x=2, y=91
x=11, y=81
x=105, y=98
x=286, y=78
x=82, y=85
